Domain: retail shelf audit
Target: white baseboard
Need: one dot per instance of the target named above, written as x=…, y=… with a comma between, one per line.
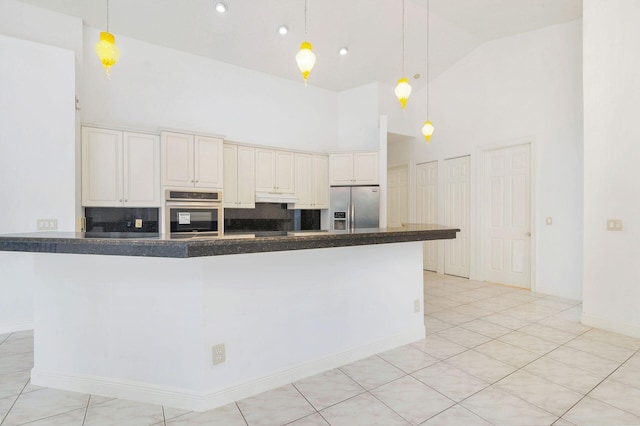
x=192, y=400
x=10, y=327
x=613, y=326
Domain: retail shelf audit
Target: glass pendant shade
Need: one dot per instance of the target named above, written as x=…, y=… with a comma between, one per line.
x=427, y=130
x=306, y=59
x=107, y=51
x=403, y=91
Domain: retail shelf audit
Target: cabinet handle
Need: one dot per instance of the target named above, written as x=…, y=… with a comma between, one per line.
x=120, y=200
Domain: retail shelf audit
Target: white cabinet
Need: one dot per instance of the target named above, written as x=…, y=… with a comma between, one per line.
x=239, y=177
x=274, y=171
x=353, y=168
x=312, y=181
x=120, y=168
x=191, y=161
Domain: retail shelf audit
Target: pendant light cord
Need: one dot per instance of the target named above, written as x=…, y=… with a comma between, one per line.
x=428, y=39
x=107, y=15
x=402, y=38
x=305, y=20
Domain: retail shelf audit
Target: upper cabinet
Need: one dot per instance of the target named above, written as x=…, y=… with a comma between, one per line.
x=120, y=168
x=239, y=177
x=312, y=181
x=275, y=171
x=192, y=161
x=353, y=168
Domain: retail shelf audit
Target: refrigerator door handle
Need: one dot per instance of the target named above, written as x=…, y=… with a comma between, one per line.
x=353, y=216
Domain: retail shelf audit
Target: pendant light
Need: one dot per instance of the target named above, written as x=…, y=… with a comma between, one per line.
x=427, y=128
x=106, y=48
x=403, y=89
x=305, y=58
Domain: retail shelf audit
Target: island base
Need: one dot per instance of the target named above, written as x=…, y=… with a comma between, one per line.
x=144, y=328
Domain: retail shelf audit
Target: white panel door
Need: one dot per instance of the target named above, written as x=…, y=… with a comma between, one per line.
x=507, y=207
x=397, y=196
x=457, y=210
x=427, y=208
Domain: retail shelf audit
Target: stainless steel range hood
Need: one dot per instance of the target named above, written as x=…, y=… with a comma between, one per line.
x=273, y=197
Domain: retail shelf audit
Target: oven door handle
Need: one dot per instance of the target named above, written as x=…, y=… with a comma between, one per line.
x=195, y=204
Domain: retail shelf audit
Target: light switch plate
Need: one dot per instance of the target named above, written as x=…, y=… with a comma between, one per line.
x=614, y=225
x=549, y=220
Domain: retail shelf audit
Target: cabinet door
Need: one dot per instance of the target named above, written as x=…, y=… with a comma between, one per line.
x=246, y=177
x=141, y=170
x=177, y=159
x=230, y=193
x=101, y=167
x=265, y=170
x=304, y=180
x=341, y=169
x=285, y=172
x=320, y=182
x=365, y=168
x=208, y=162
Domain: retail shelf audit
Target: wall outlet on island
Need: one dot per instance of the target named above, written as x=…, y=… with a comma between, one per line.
x=47, y=224
x=416, y=306
x=218, y=354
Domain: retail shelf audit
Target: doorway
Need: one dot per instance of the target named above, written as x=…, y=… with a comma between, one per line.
x=427, y=208
x=506, y=219
x=457, y=211
x=397, y=196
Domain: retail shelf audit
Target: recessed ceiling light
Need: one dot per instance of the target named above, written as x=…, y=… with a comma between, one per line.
x=343, y=51
x=221, y=7
x=283, y=29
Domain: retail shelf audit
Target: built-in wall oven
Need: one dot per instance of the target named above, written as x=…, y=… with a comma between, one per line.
x=193, y=213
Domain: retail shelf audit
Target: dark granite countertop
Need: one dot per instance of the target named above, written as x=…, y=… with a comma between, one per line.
x=163, y=246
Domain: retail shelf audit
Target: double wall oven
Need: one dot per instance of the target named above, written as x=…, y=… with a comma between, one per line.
x=190, y=213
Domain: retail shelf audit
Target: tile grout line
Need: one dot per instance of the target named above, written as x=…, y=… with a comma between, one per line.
x=598, y=384
x=241, y=413
x=14, y=402
x=86, y=410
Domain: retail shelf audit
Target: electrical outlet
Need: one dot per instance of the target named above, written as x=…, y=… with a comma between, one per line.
x=47, y=224
x=614, y=225
x=138, y=223
x=416, y=306
x=218, y=354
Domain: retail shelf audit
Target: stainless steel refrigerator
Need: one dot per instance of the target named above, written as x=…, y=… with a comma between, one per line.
x=353, y=207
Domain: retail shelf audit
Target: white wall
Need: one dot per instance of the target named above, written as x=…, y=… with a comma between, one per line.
x=155, y=87
x=358, y=118
x=37, y=165
x=611, y=172
x=521, y=88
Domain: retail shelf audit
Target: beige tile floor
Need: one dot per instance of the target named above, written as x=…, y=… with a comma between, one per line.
x=491, y=355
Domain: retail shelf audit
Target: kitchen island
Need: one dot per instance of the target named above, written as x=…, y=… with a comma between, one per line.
x=141, y=319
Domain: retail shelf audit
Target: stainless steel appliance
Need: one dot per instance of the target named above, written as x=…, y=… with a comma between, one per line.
x=353, y=207
x=190, y=213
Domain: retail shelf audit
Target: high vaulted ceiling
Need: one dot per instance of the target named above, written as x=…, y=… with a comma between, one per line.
x=246, y=35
